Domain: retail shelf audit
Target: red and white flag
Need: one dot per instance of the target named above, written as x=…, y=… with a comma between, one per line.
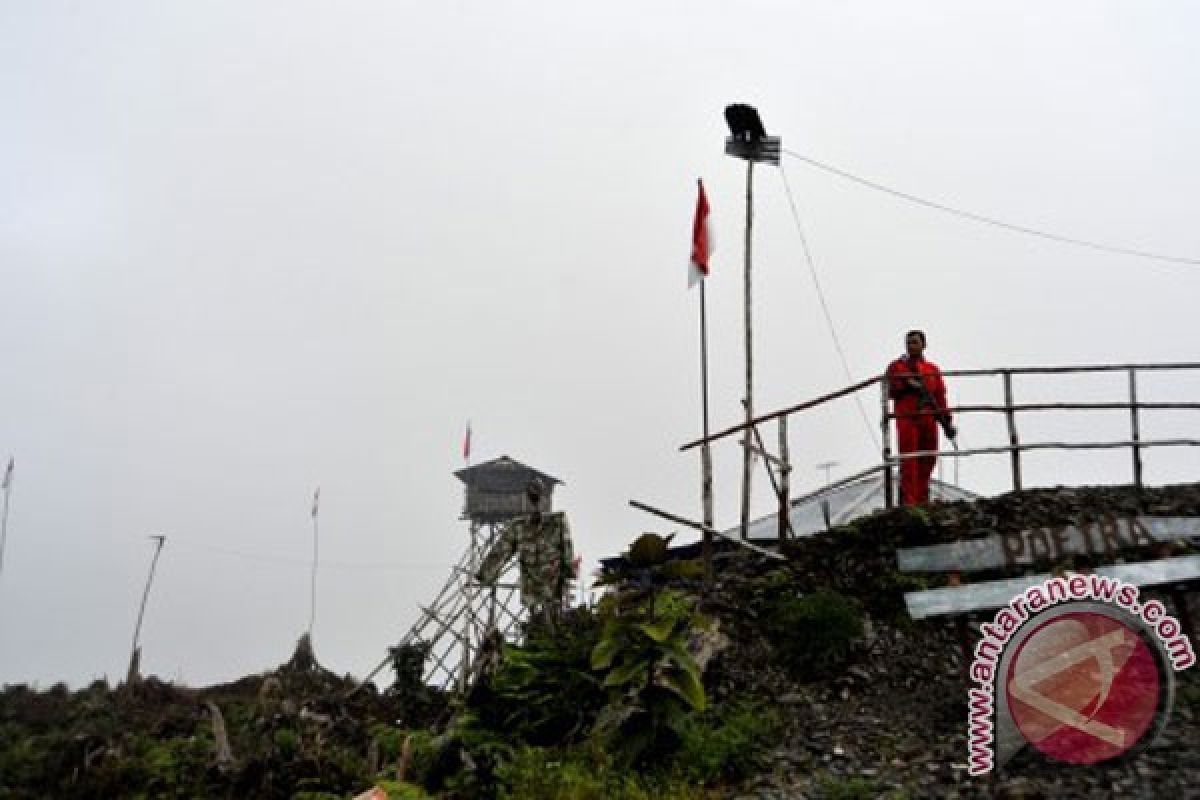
x=702, y=239
x=467, y=443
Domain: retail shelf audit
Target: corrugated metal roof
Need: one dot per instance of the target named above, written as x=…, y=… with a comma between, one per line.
x=846, y=503
x=504, y=475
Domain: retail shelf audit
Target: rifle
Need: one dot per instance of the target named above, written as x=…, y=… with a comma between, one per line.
x=943, y=417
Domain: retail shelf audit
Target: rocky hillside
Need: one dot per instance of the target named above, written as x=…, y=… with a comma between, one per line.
x=800, y=678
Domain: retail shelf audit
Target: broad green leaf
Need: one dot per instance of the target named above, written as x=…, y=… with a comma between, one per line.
x=676, y=653
x=658, y=631
x=686, y=686
x=630, y=672
x=604, y=652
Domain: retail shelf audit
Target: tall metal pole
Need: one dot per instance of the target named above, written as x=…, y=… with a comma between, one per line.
x=747, y=454
x=705, y=453
x=312, y=605
x=134, y=655
x=8, y=473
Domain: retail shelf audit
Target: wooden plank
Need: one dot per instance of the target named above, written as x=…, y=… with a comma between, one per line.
x=1181, y=365
x=1106, y=537
x=994, y=594
x=701, y=527
x=782, y=412
x=947, y=374
x=1057, y=407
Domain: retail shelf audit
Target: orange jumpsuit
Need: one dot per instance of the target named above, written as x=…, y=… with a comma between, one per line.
x=916, y=432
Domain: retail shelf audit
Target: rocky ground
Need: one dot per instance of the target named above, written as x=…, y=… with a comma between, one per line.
x=893, y=719
x=885, y=719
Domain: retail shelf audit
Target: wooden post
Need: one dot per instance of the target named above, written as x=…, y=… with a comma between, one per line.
x=785, y=470
x=1133, y=421
x=469, y=594
x=747, y=454
x=1013, y=442
x=757, y=445
x=135, y=655
x=888, y=500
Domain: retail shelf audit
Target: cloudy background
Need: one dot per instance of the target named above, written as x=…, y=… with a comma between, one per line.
x=251, y=248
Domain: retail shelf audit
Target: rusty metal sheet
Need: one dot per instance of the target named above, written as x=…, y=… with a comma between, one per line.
x=994, y=594
x=1106, y=538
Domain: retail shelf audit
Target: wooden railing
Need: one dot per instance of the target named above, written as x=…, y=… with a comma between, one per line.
x=1009, y=408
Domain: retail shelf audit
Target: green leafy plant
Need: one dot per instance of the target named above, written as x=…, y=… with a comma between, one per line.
x=287, y=742
x=653, y=681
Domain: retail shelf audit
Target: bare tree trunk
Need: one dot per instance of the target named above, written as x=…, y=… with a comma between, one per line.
x=405, y=759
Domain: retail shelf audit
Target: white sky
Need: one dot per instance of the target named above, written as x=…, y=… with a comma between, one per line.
x=249, y=248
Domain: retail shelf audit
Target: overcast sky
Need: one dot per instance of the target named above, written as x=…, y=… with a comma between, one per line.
x=251, y=248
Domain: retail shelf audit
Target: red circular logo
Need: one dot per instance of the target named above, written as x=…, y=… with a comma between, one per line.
x=1083, y=687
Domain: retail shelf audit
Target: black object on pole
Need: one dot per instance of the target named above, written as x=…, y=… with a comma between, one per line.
x=747, y=138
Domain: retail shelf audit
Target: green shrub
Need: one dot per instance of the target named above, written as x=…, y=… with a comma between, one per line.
x=537, y=774
x=545, y=692
x=552, y=774
x=402, y=791
x=814, y=634
x=723, y=747
x=287, y=742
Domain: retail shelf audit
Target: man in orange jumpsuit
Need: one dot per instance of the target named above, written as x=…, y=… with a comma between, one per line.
x=916, y=387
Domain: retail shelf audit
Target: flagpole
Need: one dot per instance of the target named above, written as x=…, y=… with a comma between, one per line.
x=312, y=604
x=705, y=453
x=4, y=517
x=747, y=464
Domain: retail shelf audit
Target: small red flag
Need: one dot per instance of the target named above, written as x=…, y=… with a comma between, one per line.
x=467, y=443
x=702, y=239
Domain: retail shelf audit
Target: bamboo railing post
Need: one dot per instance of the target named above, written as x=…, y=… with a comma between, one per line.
x=888, y=502
x=1013, y=442
x=784, y=486
x=1133, y=420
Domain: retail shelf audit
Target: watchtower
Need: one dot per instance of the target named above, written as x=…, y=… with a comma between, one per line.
x=455, y=625
x=495, y=491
